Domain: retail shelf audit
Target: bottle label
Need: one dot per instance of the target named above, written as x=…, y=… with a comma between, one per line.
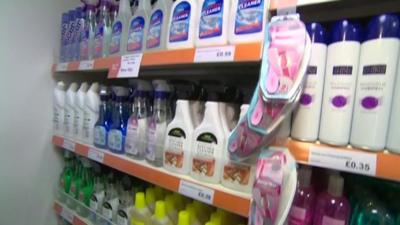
x=237, y=173
x=174, y=152
x=297, y=216
x=341, y=87
x=68, y=120
x=211, y=19
x=109, y=207
x=326, y=220
x=123, y=216
x=84, y=45
x=98, y=41
x=88, y=124
x=115, y=140
x=115, y=37
x=154, y=32
x=96, y=199
x=76, y=124
x=249, y=16
x=307, y=98
x=57, y=121
x=100, y=135
x=204, y=151
x=132, y=137
x=151, y=141
x=135, y=37
x=179, y=30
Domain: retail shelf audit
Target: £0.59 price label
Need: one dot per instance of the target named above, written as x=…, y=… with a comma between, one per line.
x=96, y=155
x=197, y=192
x=86, y=65
x=215, y=54
x=69, y=145
x=349, y=161
x=128, y=66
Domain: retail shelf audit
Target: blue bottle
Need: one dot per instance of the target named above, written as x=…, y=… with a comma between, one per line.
x=120, y=115
x=79, y=27
x=64, y=30
x=70, y=35
x=103, y=124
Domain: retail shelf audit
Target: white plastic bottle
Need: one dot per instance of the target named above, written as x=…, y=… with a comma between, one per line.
x=119, y=30
x=247, y=21
x=340, y=81
x=79, y=111
x=306, y=118
x=178, y=139
x=213, y=22
x=137, y=27
x=58, y=108
x=209, y=144
x=393, y=140
x=182, y=24
x=156, y=33
x=375, y=83
x=91, y=112
x=69, y=112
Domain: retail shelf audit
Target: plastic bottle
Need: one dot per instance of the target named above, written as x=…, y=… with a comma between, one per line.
x=116, y=135
x=150, y=199
x=66, y=176
x=87, y=36
x=79, y=111
x=340, y=81
x=192, y=214
x=111, y=203
x=247, y=21
x=302, y=211
x=137, y=124
x=79, y=28
x=140, y=212
x=156, y=33
x=58, y=108
x=97, y=198
x=113, y=11
x=332, y=207
x=182, y=24
x=86, y=189
x=393, y=142
x=375, y=83
x=157, y=124
x=91, y=112
x=213, y=22
x=103, y=30
x=103, y=124
x=170, y=209
x=160, y=216
x=72, y=14
x=306, y=118
x=75, y=185
x=119, y=30
x=125, y=208
x=183, y=218
x=63, y=37
x=69, y=112
x=137, y=27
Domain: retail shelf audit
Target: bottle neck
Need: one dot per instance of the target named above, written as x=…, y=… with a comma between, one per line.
x=211, y=114
x=182, y=106
x=124, y=7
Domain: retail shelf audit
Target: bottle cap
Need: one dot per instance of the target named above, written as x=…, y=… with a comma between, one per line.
x=150, y=196
x=345, y=30
x=160, y=210
x=183, y=218
x=317, y=33
x=335, y=186
x=305, y=176
x=383, y=26
x=140, y=201
x=61, y=85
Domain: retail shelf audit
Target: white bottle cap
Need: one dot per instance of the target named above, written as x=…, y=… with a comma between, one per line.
x=335, y=186
x=305, y=176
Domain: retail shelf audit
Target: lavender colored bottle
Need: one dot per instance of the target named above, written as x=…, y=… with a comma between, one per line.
x=332, y=207
x=302, y=210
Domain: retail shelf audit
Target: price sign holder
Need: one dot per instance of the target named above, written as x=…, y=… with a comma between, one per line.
x=96, y=155
x=69, y=145
x=67, y=214
x=128, y=66
x=62, y=67
x=215, y=54
x=196, y=191
x=86, y=65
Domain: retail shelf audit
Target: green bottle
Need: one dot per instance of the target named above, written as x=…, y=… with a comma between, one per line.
x=86, y=190
x=66, y=176
x=75, y=185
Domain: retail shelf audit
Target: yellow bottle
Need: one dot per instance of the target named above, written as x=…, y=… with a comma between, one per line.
x=150, y=199
x=171, y=209
x=140, y=212
x=160, y=193
x=192, y=214
x=160, y=216
x=183, y=218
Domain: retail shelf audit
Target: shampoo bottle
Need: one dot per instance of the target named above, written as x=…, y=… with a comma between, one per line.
x=79, y=111
x=375, y=83
x=103, y=30
x=340, y=81
x=103, y=124
x=119, y=30
x=156, y=36
x=69, y=113
x=306, y=118
x=137, y=27
x=91, y=113
x=393, y=142
x=58, y=108
x=140, y=212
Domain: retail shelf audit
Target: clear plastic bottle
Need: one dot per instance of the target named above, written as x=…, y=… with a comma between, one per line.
x=138, y=26
x=104, y=122
x=119, y=30
x=103, y=30
x=125, y=208
x=116, y=135
x=156, y=33
x=87, y=36
x=111, y=203
x=96, y=200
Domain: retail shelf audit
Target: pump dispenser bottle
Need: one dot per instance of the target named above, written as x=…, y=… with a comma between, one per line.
x=137, y=27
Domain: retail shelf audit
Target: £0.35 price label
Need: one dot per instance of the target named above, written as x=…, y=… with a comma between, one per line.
x=197, y=192
x=67, y=214
x=69, y=145
x=96, y=155
x=215, y=54
x=349, y=161
x=86, y=65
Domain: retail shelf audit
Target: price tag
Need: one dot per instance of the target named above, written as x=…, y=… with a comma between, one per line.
x=96, y=155
x=86, y=65
x=129, y=66
x=62, y=67
x=67, y=214
x=69, y=145
x=349, y=161
x=197, y=192
x=215, y=54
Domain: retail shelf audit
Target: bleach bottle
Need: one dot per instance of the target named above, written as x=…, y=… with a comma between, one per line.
x=79, y=111
x=393, y=142
x=375, y=83
x=104, y=122
x=119, y=30
x=103, y=30
x=182, y=24
x=58, y=108
x=69, y=113
x=117, y=133
x=137, y=27
x=91, y=112
x=156, y=36
x=87, y=36
x=213, y=22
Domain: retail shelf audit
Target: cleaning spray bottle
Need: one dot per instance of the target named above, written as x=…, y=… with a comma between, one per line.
x=103, y=30
x=86, y=189
x=137, y=124
x=79, y=111
x=157, y=124
x=87, y=36
x=75, y=185
x=119, y=30
x=116, y=135
x=140, y=212
x=103, y=124
x=156, y=37
x=91, y=112
x=69, y=112
x=160, y=216
x=66, y=175
x=137, y=27
x=58, y=108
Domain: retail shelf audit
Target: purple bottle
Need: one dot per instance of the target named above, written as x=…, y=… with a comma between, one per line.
x=332, y=207
x=302, y=210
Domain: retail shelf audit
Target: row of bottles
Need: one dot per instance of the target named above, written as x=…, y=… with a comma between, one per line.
x=103, y=195
x=351, y=95
x=100, y=28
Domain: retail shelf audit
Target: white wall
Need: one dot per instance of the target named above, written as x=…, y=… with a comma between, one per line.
x=29, y=164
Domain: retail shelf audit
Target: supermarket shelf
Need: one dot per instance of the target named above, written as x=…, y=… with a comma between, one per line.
x=69, y=215
x=243, y=53
x=378, y=164
x=221, y=197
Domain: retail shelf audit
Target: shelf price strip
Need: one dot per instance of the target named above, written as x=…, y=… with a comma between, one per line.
x=62, y=67
x=67, y=214
x=86, y=65
x=197, y=192
x=69, y=145
x=96, y=155
x=215, y=54
x=348, y=161
x=128, y=66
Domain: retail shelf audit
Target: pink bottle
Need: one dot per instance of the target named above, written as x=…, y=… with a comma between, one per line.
x=302, y=210
x=332, y=208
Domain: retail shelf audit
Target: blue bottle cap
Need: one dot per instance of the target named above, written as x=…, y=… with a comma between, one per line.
x=317, y=33
x=65, y=18
x=384, y=26
x=345, y=30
